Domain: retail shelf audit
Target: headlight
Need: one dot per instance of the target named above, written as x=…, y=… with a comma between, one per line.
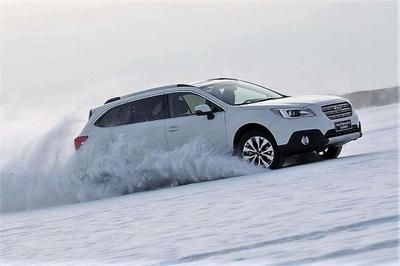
x=295, y=112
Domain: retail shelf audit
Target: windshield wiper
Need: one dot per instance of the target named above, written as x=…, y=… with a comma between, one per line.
x=255, y=100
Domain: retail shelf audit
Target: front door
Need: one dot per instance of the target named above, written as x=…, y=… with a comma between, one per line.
x=184, y=126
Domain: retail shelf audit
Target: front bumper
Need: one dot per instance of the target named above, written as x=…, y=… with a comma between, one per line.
x=317, y=141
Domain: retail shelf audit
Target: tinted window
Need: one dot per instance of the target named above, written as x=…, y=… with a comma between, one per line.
x=117, y=116
x=184, y=103
x=148, y=109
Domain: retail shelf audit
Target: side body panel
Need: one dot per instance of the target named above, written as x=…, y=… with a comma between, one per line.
x=181, y=130
x=149, y=135
x=238, y=117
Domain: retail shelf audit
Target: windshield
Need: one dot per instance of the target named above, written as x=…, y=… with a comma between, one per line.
x=238, y=92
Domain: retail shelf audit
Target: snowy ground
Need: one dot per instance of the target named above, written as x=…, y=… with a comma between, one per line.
x=342, y=211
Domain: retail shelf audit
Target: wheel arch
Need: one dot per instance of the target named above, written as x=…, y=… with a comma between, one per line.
x=247, y=127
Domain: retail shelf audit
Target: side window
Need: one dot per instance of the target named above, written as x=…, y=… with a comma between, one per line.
x=117, y=116
x=148, y=109
x=184, y=103
x=193, y=100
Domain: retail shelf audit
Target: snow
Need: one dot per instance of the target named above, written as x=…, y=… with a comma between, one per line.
x=342, y=211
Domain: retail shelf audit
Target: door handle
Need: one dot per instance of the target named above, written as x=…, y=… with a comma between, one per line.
x=171, y=129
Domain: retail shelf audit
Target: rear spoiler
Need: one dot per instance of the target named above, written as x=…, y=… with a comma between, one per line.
x=113, y=100
x=91, y=111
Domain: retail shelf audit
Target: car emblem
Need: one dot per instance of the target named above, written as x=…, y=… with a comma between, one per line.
x=337, y=107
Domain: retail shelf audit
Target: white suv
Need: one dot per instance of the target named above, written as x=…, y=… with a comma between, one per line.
x=258, y=124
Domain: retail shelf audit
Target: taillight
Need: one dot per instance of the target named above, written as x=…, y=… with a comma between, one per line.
x=78, y=141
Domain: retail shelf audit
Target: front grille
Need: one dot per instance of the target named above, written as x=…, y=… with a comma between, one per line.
x=337, y=110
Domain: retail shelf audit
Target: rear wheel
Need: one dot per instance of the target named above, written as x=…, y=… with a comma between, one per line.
x=331, y=152
x=259, y=148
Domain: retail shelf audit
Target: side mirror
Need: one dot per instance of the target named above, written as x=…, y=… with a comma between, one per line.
x=204, y=109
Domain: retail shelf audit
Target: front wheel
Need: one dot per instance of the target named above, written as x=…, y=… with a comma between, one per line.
x=259, y=148
x=331, y=152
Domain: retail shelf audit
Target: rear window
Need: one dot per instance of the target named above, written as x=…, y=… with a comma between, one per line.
x=144, y=110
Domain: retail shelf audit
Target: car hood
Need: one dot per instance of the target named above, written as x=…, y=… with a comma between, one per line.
x=295, y=101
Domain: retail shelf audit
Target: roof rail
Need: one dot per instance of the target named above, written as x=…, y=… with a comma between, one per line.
x=184, y=85
x=113, y=100
x=222, y=78
x=153, y=89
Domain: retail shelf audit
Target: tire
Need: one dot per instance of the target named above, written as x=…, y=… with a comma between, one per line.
x=259, y=147
x=331, y=152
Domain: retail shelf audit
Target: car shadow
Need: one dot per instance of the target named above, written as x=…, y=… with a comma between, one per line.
x=300, y=159
x=312, y=157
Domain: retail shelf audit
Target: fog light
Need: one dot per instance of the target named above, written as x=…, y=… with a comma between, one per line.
x=305, y=140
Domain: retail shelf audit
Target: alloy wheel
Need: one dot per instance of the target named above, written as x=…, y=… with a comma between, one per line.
x=259, y=151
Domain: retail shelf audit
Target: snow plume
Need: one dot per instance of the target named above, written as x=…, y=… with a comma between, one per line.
x=50, y=173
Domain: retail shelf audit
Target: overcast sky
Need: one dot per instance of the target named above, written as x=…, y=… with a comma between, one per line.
x=61, y=53
x=58, y=59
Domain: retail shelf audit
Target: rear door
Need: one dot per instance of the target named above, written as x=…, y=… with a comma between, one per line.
x=184, y=126
x=140, y=123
